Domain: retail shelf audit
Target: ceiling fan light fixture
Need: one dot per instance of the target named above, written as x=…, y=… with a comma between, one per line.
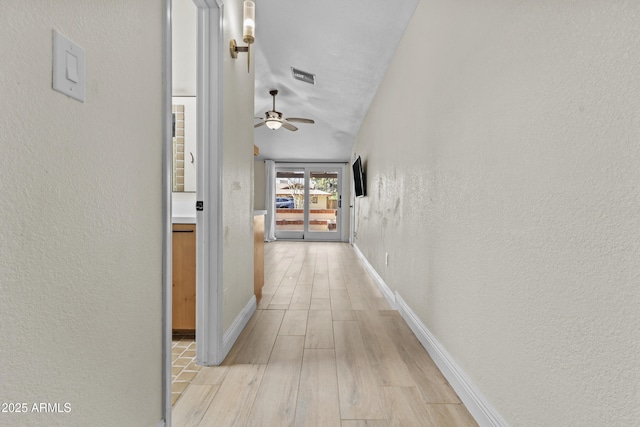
x=273, y=124
x=273, y=119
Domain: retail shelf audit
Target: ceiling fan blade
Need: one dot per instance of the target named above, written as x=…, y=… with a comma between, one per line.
x=289, y=126
x=257, y=125
x=299, y=120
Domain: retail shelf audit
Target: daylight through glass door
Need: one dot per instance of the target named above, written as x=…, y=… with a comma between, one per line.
x=308, y=202
x=290, y=190
x=323, y=202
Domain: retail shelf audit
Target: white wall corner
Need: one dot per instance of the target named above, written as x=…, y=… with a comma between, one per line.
x=232, y=334
x=384, y=288
x=479, y=407
x=161, y=424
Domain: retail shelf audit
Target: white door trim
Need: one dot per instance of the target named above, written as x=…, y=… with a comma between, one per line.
x=167, y=166
x=209, y=334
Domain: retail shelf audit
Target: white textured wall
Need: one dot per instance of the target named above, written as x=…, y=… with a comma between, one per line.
x=80, y=216
x=503, y=161
x=237, y=178
x=184, y=16
x=259, y=179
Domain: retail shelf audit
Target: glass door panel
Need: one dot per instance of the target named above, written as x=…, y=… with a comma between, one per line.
x=308, y=202
x=290, y=191
x=324, y=200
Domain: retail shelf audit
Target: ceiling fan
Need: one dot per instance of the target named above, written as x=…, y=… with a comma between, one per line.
x=274, y=120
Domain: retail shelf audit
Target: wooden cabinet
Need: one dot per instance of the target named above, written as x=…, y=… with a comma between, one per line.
x=258, y=255
x=184, y=277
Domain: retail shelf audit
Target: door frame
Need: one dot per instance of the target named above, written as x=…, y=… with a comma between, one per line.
x=209, y=297
x=167, y=244
x=343, y=214
x=209, y=350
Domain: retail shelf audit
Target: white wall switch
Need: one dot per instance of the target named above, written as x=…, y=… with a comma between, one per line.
x=69, y=67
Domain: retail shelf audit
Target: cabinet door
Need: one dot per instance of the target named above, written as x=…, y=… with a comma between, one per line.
x=258, y=255
x=184, y=277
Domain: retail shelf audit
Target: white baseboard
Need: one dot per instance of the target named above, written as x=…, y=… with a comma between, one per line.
x=384, y=288
x=479, y=407
x=232, y=334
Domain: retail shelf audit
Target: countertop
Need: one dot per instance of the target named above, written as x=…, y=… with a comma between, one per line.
x=192, y=219
x=183, y=220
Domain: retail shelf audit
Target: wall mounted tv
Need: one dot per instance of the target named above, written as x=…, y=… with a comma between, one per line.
x=359, y=178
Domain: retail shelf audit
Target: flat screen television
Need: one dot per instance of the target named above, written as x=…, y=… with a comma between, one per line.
x=359, y=178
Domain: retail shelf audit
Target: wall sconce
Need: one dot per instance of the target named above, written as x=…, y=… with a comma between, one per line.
x=248, y=32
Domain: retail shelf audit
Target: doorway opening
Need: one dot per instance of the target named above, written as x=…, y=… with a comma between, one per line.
x=309, y=202
x=185, y=160
x=207, y=115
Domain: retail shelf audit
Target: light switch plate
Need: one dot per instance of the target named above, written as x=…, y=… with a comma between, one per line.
x=69, y=67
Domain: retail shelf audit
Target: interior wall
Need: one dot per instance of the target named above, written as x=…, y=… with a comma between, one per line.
x=259, y=181
x=81, y=216
x=237, y=178
x=184, y=16
x=503, y=164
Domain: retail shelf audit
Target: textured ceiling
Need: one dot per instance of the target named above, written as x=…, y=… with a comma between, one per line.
x=347, y=44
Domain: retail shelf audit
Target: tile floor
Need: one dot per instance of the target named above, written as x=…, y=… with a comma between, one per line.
x=183, y=367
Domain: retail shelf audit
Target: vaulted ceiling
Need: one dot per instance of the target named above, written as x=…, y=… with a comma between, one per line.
x=347, y=44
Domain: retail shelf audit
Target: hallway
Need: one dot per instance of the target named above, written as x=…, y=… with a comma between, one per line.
x=323, y=349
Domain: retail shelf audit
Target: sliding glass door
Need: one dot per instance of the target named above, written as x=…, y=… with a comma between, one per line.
x=308, y=202
x=323, y=201
x=290, y=190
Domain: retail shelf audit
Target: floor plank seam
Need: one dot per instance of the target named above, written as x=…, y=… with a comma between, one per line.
x=354, y=363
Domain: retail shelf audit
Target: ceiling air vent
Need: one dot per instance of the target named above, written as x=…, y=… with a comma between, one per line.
x=303, y=76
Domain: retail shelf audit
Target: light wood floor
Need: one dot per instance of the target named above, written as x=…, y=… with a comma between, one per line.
x=323, y=349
